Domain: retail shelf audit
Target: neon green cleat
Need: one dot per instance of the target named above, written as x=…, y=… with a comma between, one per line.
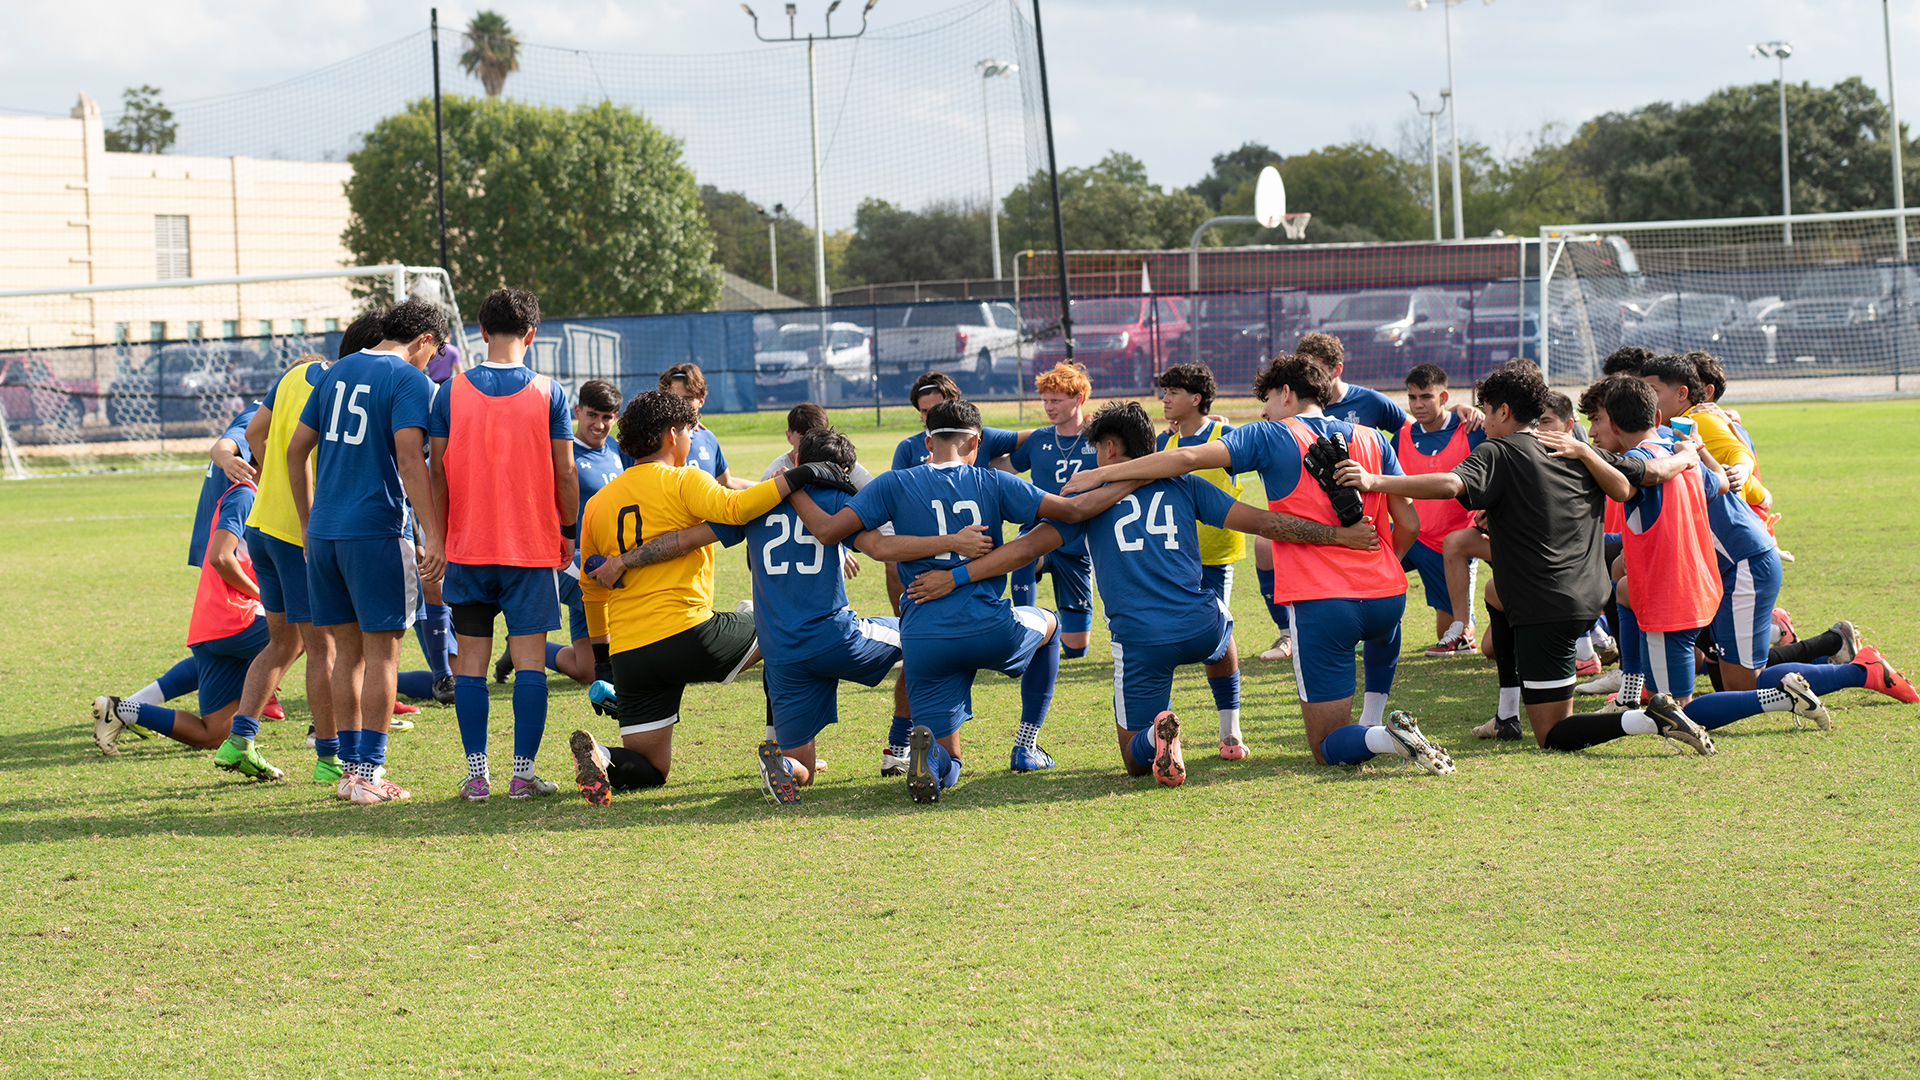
x=327, y=771
x=236, y=755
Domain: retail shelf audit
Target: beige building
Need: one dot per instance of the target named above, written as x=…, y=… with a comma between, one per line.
x=76, y=213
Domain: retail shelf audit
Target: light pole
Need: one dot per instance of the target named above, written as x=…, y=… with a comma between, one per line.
x=1453, y=118
x=992, y=69
x=1433, y=147
x=1780, y=50
x=773, y=250
x=1893, y=127
x=813, y=105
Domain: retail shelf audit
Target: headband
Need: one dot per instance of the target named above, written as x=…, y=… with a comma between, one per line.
x=953, y=431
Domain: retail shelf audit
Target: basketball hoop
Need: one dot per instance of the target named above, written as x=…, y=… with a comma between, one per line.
x=1296, y=225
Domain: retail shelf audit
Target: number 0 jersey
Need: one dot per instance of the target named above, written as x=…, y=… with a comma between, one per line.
x=661, y=600
x=1146, y=556
x=799, y=585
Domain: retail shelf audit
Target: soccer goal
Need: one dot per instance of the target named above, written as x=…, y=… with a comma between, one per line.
x=133, y=375
x=1812, y=305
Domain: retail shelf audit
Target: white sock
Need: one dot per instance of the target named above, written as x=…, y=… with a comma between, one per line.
x=149, y=695
x=1380, y=742
x=1028, y=736
x=523, y=767
x=1583, y=649
x=1229, y=725
x=1509, y=702
x=1630, y=686
x=1373, y=709
x=770, y=735
x=129, y=710
x=1453, y=632
x=1774, y=701
x=477, y=765
x=1637, y=722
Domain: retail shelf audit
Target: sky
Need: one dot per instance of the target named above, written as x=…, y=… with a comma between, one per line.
x=1170, y=83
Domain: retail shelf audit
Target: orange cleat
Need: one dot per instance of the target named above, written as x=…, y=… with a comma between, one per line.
x=401, y=708
x=1169, y=766
x=1883, y=678
x=273, y=711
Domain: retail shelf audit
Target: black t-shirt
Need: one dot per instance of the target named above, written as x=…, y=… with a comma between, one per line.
x=1543, y=524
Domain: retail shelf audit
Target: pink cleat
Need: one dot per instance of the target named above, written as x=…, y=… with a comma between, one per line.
x=1232, y=749
x=1169, y=768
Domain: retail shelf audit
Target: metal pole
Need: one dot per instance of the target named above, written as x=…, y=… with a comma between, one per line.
x=1433, y=153
x=819, y=224
x=993, y=201
x=773, y=254
x=1786, y=181
x=1053, y=175
x=1453, y=128
x=1520, y=303
x=439, y=145
x=1893, y=135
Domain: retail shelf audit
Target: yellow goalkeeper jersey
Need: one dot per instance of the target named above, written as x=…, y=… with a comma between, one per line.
x=1218, y=547
x=1728, y=448
x=273, y=509
x=658, y=601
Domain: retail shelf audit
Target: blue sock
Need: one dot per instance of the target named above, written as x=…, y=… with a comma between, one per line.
x=417, y=685
x=1823, y=678
x=553, y=654
x=1720, y=709
x=1277, y=611
x=1226, y=690
x=897, y=734
x=181, y=678
x=470, y=710
x=529, y=712
x=244, y=727
x=349, y=744
x=1036, y=686
x=1142, y=747
x=1346, y=746
x=326, y=748
x=373, y=747
x=434, y=631
x=945, y=766
x=1025, y=585
x=159, y=719
x=1631, y=642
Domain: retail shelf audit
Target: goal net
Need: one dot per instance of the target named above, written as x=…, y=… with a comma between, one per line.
x=1814, y=305
x=144, y=375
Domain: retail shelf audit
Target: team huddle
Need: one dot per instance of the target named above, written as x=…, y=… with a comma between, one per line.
x=360, y=499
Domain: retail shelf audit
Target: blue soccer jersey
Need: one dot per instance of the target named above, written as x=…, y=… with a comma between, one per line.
x=994, y=442
x=1146, y=555
x=799, y=587
x=597, y=468
x=705, y=453
x=935, y=500
x=1269, y=449
x=1368, y=408
x=357, y=406
x=215, y=483
x=1051, y=459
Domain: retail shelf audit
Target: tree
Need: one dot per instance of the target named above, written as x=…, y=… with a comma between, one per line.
x=591, y=208
x=145, y=125
x=1355, y=191
x=1233, y=169
x=493, y=51
x=1109, y=206
x=740, y=243
x=947, y=240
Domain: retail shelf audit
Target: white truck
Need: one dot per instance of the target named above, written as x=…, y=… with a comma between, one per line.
x=976, y=342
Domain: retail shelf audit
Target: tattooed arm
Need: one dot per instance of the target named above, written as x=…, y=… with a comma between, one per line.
x=1289, y=529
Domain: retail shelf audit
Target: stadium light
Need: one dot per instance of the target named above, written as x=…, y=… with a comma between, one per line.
x=1453, y=118
x=1433, y=145
x=1779, y=51
x=992, y=69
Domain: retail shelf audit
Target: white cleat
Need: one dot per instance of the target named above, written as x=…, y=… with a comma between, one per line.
x=1282, y=648
x=1421, y=750
x=107, y=725
x=1806, y=704
x=1608, y=683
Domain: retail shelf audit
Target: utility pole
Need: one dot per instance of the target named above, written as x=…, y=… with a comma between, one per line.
x=1893, y=134
x=1053, y=176
x=439, y=146
x=1433, y=147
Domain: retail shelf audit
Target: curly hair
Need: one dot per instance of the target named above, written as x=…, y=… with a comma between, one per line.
x=1064, y=378
x=648, y=418
x=1626, y=360
x=1123, y=420
x=1322, y=347
x=825, y=444
x=509, y=311
x=405, y=322
x=1518, y=385
x=1306, y=377
x=1194, y=379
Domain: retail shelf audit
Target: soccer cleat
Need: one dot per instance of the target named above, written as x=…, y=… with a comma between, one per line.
x=1883, y=678
x=273, y=711
x=1504, y=728
x=527, y=787
x=401, y=708
x=1806, y=704
x=313, y=742
x=399, y=724
x=364, y=792
x=1783, y=627
x=327, y=772
x=1169, y=766
x=1606, y=648
x=1460, y=646
x=245, y=759
x=1421, y=750
x=776, y=774
x=1589, y=666
x=1281, y=650
x=1608, y=683
x=1849, y=642
x=503, y=667
x=1026, y=759
x=343, y=788
x=1671, y=723
x=1232, y=749
x=604, y=700
x=892, y=763
x=476, y=789
x=590, y=763
x=107, y=724
x=443, y=689
x=922, y=785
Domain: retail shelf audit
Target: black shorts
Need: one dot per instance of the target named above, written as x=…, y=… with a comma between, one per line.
x=1543, y=657
x=650, y=679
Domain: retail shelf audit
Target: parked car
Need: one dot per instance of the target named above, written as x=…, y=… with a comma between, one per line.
x=977, y=342
x=1384, y=334
x=1846, y=315
x=189, y=383
x=1237, y=332
x=1681, y=322
x=783, y=369
x=1122, y=341
x=34, y=398
x=1503, y=321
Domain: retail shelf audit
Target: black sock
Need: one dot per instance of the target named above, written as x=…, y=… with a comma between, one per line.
x=1806, y=650
x=1502, y=634
x=631, y=771
x=1582, y=730
x=1713, y=676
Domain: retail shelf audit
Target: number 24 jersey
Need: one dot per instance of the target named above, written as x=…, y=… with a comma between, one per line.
x=1146, y=553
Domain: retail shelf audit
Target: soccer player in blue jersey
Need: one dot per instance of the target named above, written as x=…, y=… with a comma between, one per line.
x=686, y=382
x=1051, y=455
x=368, y=419
x=1338, y=597
x=946, y=643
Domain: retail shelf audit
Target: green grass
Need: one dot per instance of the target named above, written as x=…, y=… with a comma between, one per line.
x=1625, y=911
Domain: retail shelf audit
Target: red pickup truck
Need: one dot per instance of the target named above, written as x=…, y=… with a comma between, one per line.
x=1123, y=341
x=37, y=402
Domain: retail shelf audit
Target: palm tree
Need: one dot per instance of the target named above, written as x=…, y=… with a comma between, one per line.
x=493, y=51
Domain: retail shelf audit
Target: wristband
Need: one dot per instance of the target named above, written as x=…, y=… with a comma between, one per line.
x=570, y=532
x=960, y=576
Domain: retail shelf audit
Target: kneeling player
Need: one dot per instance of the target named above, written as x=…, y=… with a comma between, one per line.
x=1436, y=440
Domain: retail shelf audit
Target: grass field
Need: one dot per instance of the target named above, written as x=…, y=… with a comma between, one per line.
x=1625, y=911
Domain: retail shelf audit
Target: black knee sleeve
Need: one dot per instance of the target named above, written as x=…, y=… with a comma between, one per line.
x=1502, y=633
x=631, y=771
x=1582, y=730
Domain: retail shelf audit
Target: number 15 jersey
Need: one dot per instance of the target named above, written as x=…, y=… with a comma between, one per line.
x=1146, y=556
x=356, y=407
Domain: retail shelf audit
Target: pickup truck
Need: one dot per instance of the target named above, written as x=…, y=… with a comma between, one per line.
x=33, y=397
x=976, y=342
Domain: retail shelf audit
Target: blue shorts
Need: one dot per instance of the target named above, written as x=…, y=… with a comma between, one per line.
x=574, y=602
x=280, y=569
x=1668, y=659
x=1324, y=635
x=1743, y=627
x=527, y=595
x=1072, y=580
x=940, y=671
x=223, y=665
x=805, y=694
x=374, y=583
x=1218, y=580
x=1143, y=674
x=1433, y=574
